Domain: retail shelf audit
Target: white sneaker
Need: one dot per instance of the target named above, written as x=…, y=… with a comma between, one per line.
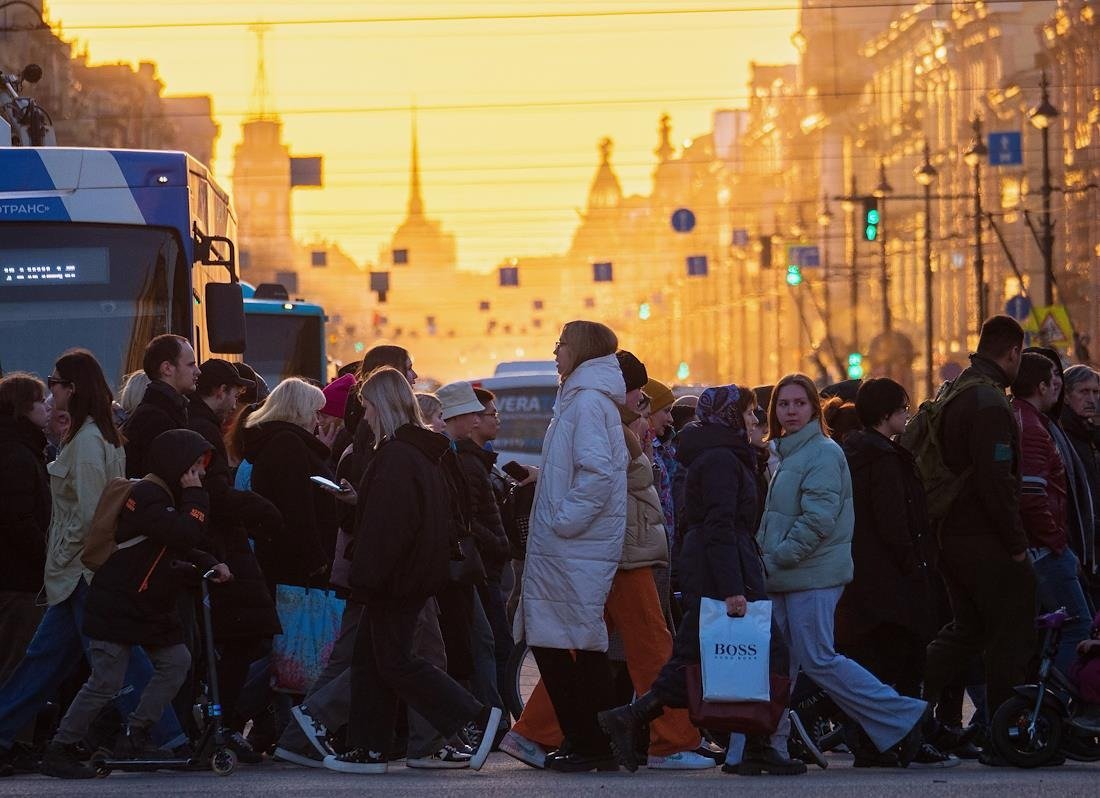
x=358, y=761
x=315, y=731
x=526, y=751
x=488, y=732
x=306, y=760
x=682, y=760
x=446, y=758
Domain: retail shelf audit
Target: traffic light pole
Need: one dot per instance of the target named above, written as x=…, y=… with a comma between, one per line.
x=884, y=269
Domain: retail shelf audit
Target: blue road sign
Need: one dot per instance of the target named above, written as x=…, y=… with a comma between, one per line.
x=602, y=272
x=1018, y=307
x=806, y=257
x=1006, y=148
x=697, y=265
x=683, y=220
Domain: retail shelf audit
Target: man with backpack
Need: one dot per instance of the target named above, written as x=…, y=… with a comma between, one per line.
x=967, y=447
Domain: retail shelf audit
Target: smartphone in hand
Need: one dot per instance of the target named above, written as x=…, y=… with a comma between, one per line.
x=515, y=471
x=326, y=484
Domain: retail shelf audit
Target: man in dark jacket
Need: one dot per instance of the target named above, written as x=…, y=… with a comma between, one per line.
x=1043, y=503
x=132, y=601
x=169, y=362
x=462, y=412
x=243, y=611
x=478, y=463
x=983, y=557
x=1081, y=385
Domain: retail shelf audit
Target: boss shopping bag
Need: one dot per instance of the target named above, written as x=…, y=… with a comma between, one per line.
x=311, y=621
x=734, y=652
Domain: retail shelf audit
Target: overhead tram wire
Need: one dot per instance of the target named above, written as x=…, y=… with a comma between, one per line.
x=548, y=15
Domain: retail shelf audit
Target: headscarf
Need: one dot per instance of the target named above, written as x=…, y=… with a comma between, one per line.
x=719, y=406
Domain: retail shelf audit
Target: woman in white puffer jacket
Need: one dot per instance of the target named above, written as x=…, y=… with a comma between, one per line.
x=578, y=524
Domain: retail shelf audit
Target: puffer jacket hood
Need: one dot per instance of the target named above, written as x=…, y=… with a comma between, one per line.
x=601, y=374
x=172, y=453
x=696, y=438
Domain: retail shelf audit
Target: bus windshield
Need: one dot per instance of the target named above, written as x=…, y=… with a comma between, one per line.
x=284, y=345
x=106, y=288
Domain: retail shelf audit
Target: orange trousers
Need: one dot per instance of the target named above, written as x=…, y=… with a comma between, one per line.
x=634, y=610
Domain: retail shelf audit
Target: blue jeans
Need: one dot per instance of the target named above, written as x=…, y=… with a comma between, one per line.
x=57, y=648
x=1058, y=586
x=805, y=618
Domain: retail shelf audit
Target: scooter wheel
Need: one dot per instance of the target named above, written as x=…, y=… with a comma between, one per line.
x=102, y=771
x=1009, y=733
x=223, y=762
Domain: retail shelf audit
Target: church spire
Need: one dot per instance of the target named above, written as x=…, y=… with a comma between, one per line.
x=416, y=201
x=261, y=94
x=664, y=149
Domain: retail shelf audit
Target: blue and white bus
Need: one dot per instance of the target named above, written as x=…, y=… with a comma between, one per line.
x=105, y=249
x=286, y=337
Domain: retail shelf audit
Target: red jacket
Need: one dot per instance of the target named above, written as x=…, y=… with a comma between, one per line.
x=1043, y=497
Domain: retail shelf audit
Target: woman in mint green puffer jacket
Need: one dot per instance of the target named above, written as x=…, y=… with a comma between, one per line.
x=806, y=540
x=806, y=531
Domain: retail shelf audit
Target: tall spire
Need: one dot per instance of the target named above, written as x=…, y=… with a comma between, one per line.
x=261, y=96
x=664, y=149
x=416, y=201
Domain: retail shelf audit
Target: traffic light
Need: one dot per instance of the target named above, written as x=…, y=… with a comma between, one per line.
x=855, y=366
x=794, y=275
x=644, y=311
x=872, y=219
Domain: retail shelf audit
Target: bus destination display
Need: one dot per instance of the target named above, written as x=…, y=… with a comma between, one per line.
x=66, y=266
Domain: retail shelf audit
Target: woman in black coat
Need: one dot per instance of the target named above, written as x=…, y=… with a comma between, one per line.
x=280, y=444
x=718, y=560
x=886, y=616
x=403, y=547
x=24, y=512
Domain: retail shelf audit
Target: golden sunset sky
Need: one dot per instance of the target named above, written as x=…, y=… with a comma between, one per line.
x=510, y=109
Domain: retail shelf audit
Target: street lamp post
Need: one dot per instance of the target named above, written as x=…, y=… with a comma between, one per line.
x=974, y=155
x=926, y=175
x=849, y=205
x=1041, y=118
x=824, y=220
x=882, y=190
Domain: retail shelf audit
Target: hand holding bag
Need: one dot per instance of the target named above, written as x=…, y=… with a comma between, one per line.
x=734, y=653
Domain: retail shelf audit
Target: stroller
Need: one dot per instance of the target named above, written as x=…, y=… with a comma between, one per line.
x=211, y=749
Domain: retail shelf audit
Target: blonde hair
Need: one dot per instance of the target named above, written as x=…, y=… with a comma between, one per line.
x=429, y=406
x=391, y=396
x=133, y=391
x=588, y=340
x=294, y=401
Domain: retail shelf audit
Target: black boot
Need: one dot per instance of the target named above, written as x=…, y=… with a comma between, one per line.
x=623, y=726
x=63, y=762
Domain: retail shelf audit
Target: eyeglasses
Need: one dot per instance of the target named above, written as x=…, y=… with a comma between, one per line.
x=52, y=381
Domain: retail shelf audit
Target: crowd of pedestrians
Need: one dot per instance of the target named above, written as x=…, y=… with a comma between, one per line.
x=904, y=560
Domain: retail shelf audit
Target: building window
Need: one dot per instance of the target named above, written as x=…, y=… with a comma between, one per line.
x=318, y=258
x=288, y=280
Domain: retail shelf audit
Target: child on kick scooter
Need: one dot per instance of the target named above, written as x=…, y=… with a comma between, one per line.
x=132, y=601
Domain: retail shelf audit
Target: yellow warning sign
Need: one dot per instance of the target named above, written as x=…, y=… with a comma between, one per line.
x=1050, y=324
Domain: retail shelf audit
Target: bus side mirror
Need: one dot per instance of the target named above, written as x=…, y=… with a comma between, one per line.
x=225, y=318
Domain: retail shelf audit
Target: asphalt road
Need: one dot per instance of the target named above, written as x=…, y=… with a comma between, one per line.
x=504, y=776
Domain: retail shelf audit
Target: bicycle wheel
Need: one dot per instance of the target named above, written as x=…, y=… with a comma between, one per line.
x=523, y=675
x=1009, y=733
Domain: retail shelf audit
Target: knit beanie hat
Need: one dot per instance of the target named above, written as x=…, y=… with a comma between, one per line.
x=336, y=395
x=634, y=373
x=660, y=396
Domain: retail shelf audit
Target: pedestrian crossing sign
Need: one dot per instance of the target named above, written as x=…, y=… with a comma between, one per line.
x=1051, y=325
